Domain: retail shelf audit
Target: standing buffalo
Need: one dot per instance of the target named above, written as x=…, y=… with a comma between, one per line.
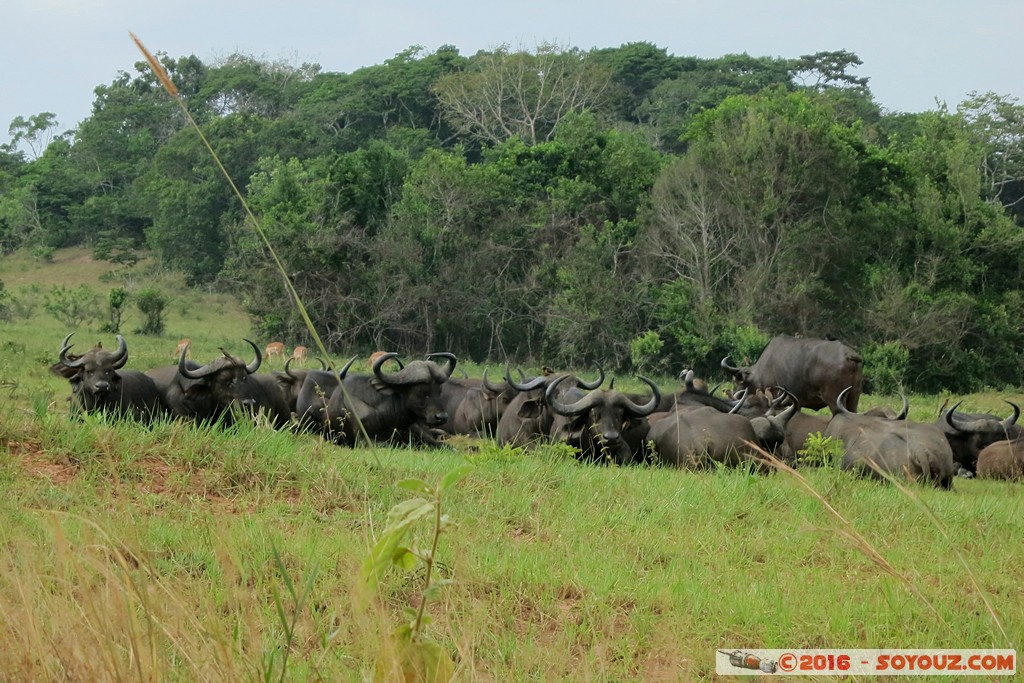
x=816, y=371
x=901, y=448
x=604, y=424
x=98, y=384
x=969, y=433
x=207, y=392
x=389, y=405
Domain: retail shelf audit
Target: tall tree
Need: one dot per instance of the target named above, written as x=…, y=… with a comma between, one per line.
x=504, y=94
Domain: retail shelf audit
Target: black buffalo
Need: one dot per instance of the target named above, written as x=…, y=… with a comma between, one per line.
x=875, y=445
x=698, y=437
x=475, y=406
x=816, y=371
x=206, y=393
x=387, y=406
x=969, y=433
x=527, y=418
x=99, y=384
x=603, y=424
x=311, y=411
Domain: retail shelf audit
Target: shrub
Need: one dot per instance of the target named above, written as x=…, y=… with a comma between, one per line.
x=821, y=451
x=151, y=304
x=72, y=307
x=885, y=366
x=645, y=350
x=116, y=301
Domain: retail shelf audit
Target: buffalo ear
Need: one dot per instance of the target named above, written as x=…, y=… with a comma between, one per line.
x=381, y=387
x=530, y=409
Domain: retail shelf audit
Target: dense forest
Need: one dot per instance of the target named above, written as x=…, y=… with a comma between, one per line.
x=620, y=205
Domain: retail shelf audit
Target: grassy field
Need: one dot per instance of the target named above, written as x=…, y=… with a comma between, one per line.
x=172, y=553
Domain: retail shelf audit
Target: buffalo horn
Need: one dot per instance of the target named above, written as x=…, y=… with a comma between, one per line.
x=450, y=357
x=728, y=368
x=255, y=364
x=647, y=408
x=493, y=388
x=841, y=408
x=64, y=348
x=902, y=415
x=578, y=408
x=344, y=370
x=120, y=355
x=534, y=383
x=1012, y=420
x=596, y=383
x=739, y=402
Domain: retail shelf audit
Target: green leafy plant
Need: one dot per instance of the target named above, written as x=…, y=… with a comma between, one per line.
x=116, y=301
x=419, y=658
x=821, y=451
x=151, y=304
x=645, y=349
x=72, y=307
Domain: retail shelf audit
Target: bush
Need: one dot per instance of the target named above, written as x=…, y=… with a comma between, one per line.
x=72, y=307
x=5, y=303
x=745, y=343
x=151, y=304
x=116, y=301
x=885, y=366
x=644, y=351
x=821, y=451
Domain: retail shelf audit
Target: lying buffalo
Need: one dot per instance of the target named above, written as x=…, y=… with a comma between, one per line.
x=701, y=437
x=1002, y=460
x=969, y=433
x=386, y=406
x=314, y=394
x=98, y=384
x=206, y=393
x=527, y=418
x=475, y=406
x=604, y=424
x=814, y=370
x=901, y=448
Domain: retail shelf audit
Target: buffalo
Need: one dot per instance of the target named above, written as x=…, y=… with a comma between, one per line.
x=876, y=446
x=603, y=424
x=969, y=433
x=527, y=417
x=1002, y=460
x=389, y=405
x=816, y=371
x=206, y=393
x=475, y=406
x=99, y=384
x=314, y=393
x=698, y=437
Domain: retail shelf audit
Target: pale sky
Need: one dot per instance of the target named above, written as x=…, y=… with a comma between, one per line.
x=53, y=53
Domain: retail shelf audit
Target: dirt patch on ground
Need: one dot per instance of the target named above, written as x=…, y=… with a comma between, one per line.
x=38, y=464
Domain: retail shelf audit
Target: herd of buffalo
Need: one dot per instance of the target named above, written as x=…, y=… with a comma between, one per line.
x=690, y=427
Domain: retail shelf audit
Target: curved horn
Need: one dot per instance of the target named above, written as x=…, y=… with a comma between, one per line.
x=686, y=377
x=288, y=368
x=450, y=357
x=783, y=418
x=344, y=370
x=379, y=362
x=318, y=359
x=902, y=415
x=595, y=384
x=739, y=402
x=199, y=372
x=647, y=408
x=728, y=368
x=951, y=419
x=64, y=348
x=120, y=355
x=534, y=383
x=578, y=408
x=841, y=403
x=493, y=388
x=1012, y=420
x=715, y=388
x=255, y=365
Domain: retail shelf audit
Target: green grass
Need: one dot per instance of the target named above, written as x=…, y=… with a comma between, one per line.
x=142, y=554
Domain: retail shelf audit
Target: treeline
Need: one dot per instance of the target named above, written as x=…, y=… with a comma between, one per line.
x=619, y=205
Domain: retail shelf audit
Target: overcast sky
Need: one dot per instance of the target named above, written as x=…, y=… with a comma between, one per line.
x=53, y=53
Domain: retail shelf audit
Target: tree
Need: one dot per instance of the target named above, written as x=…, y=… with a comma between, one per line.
x=505, y=94
x=996, y=123
x=36, y=132
x=151, y=303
